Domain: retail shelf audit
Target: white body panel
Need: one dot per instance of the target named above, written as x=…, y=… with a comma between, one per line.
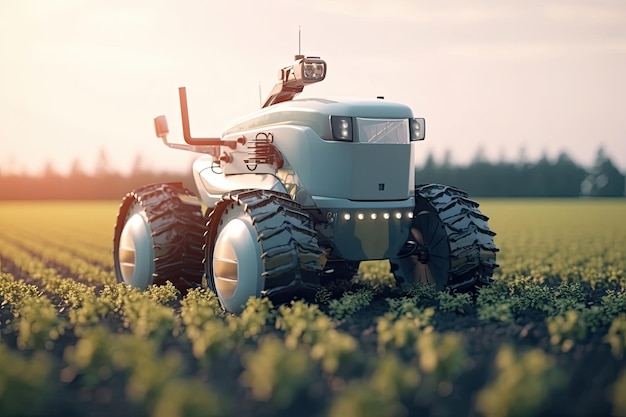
x=212, y=183
x=354, y=171
x=315, y=113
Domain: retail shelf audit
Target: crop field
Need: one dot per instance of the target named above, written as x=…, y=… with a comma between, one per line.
x=548, y=338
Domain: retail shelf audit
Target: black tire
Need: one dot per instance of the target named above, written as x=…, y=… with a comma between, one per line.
x=158, y=237
x=457, y=247
x=279, y=253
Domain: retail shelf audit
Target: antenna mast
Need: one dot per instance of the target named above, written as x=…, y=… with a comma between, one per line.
x=299, y=56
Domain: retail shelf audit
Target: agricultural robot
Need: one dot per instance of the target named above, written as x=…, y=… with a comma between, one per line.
x=299, y=193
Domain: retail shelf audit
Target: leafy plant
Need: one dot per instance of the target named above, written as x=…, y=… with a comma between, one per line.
x=189, y=397
x=616, y=337
x=349, y=303
x=276, y=374
x=566, y=330
x=302, y=323
x=498, y=312
x=421, y=291
x=305, y=325
x=37, y=324
x=140, y=312
x=253, y=320
x=454, y=303
x=26, y=384
x=441, y=355
x=163, y=294
x=614, y=303
x=402, y=333
x=375, y=274
x=91, y=357
x=386, y=392
x=522, y=382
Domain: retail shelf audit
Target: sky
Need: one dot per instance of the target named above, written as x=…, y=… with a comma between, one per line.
x=501, y=77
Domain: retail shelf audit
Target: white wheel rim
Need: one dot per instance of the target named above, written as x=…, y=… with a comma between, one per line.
x=136, y=252
x=237, y=265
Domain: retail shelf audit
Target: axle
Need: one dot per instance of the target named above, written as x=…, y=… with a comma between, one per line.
x=412, y=248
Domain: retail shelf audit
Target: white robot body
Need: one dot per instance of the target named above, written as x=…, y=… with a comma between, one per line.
x=361, y=191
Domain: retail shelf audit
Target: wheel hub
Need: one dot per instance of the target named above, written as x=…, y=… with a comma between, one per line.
x=237, y=265
x=423, y=253
x=136, y=253
x=225, y=267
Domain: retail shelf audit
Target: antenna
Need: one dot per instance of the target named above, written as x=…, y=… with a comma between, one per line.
x=260, y=99
x=299, y=56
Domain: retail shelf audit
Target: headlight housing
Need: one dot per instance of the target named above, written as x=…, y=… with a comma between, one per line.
x=417, y=128
x=310, y=70
x=342, y=128
x=313, y=70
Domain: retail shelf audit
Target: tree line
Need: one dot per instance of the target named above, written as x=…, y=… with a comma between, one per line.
x=561, y=177
x=109, y=186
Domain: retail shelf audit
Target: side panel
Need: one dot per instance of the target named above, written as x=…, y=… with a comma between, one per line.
x=212, y=183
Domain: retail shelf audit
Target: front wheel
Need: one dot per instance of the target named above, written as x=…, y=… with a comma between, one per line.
x=260, y=243
x=450, y=244
x=158, y=237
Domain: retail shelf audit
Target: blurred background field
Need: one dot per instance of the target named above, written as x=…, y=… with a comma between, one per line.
x=554, y=236
x=529, y=231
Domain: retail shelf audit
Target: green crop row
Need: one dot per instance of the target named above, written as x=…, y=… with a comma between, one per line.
x=80, y=268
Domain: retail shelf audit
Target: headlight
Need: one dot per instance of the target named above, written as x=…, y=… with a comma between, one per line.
x=313, y=70
x=341, y=127
x=418, y=128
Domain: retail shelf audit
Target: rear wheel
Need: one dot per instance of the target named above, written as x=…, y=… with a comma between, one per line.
x=450, y=244
x=158, y=237
x=259, y=243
